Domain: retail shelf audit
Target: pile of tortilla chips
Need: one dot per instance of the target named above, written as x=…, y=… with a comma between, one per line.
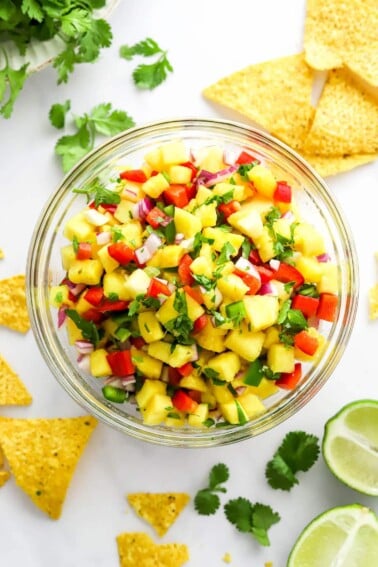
x=341, y=132
x=138, y=550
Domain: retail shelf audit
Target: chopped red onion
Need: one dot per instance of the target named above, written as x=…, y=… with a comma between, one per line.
x=129, y=387
x=103, y=237
x=145, y=252
x=171, y=287
x=112, y=381
x=268, y=289
x=144, y=207
x=84, y=362
x=323, y=257
x=208, y=179
x=246, y=266
x=61, y=315
x=75, y=289
x=240, y=390
x=179, y=238
x=187, y=243
x=84, y=347
x=274, y=264
x=130, y=379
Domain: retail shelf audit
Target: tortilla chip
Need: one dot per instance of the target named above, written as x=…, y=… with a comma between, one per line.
x=160, y=510
x=276, y=94
x=343, y=33
x=373, y=302
x=138, y=550
x=332, y=165
x=12, y=390
x=13, y=311
x=42, y=455
x=4, y=476
x=346, y=120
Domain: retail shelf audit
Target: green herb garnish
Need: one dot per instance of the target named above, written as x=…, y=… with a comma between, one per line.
x=147, y=76
x=206, y=501
x=255, y=519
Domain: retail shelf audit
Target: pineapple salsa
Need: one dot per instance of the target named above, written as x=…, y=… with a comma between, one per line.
x=193, y=287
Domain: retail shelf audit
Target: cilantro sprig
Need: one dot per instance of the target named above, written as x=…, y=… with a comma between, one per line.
x=206, y=501
x=298, y=452
x=255, y=519
x=102, y=119
x=88, y=328
x=152, y=75
x=96, y=191
x=292, y=321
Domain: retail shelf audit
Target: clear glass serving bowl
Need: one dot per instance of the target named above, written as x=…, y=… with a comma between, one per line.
x=44, y=269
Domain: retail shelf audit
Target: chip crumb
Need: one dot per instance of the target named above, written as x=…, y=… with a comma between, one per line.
x=2, y=255
x=4, y=476
x=139, y=550
x=13, y=310
x=276, y=94
x=332, y=165
x=373, y=302
x=268, y=564
x=160, y=510
x=42, y=455
x=227, y=558
x=12, y=390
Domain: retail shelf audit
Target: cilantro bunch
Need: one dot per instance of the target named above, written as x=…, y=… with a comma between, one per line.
x=73, y=21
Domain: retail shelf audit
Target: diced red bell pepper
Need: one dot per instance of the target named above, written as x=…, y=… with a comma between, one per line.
x=200, y=323
x=283, y=192
x=84, y=251
x=192, y=168
x=94, y=295
x=137, y=342
x=136, y=175
x=156, y=217
x=327, y=309
x=287, y=273
x=195, y=293
x=93, y=315
x=110, y=208
x=254, y=257
x=191, y=191
x=186, y=369
x=174, y=376
x=308, y=305
x=107, y=305
x=195, y=395
x=306, y=343
x=121, y=363
x=121, y=252
x=266, y=274
x=182, y=402
x=184, y=270
x=253, y=283
x=176, y=195
x=288, y=380
x=157, y=287
x=245, y=157
x=229, y=208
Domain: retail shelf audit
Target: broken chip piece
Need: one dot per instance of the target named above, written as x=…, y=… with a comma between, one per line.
x=160, y=510
x=42, y=455
x=12, y=390
x=332, y=165
x=13, y=311
x=139, y=550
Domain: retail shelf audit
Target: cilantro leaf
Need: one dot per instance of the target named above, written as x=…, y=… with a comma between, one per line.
x=255, y=519
x=206, y=501
x=11, y=83
x=204, y=281
x=146, y=47
x=218, y=474
x=108, y=122
x=239, y=513
x=57, y=114
x=87, y=328
x=298, y=452
x=225, y=254
x=97, y=191
x=263, y=518
x=244, y=168
x=72, y=148
x=32, y=9
x=151, y=76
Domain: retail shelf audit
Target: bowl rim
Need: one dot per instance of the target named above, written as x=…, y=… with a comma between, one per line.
x=174, y=436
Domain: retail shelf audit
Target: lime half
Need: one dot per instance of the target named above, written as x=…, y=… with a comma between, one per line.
x=350, y=446
x=346, y=536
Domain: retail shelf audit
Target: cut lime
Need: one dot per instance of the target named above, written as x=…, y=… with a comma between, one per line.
x=346, y=536
x=350, y=446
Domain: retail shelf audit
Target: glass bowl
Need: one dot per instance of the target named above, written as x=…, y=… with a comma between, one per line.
x=44, y=269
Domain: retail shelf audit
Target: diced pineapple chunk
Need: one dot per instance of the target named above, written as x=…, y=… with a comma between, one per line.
x=175, y=419
x=262, y=310
x=78, y=227
x=167, y=257
x=148, y=366
x=132, y=191
x=211, y=159
x=207, y=214
x=263, y=180
x=281, y=358
x=180, y=174
x=99, y=364
x=68, y=255
x=201, y=267
x=174, y=153
x=58, y=295
x=150, y=389
x=222, y=394
x=238, y=191
x=308, y=240
x=82, y=305
x=272, y=336
x=233, y=412
x=232, y=286
x=197, y=418
x=310, y=268
x=248, y=222
x=124, y=210
x=137, y=283
x=74, y=334
x=193, y=382
x=247, y=344
x=157, y=409
x=282, y=226
x=149, y=327
x=329, y=281
x=227, y=365
x=203, y=194
x=221, y=237
x=154, y=159
x=212, y=299
x=251, y=404
x=106, y=260
x=132, y=233
x=85, y=272
x=154, y=186
x=167, y=312
x=180, y=355
x=114, y=283
x=186, y=223
x=265, y=245
x=265, y=389
x=209, y=399
x=211, y=338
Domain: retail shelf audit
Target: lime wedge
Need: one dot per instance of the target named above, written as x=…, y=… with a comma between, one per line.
x=346, y=536
x=350, y=446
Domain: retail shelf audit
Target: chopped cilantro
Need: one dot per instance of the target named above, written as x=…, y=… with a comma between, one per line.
x=225, y=254
x=244, y=168
x=236, y=312
x=246, y=248
x=117, y=234
x=211, y=373
x=204, y=281
x=87, y=328
x=199, y=240
x=170, y=232
x=219, y=199
x=206, y=501
x=75, y=244
x=113, y=296
x=97, y=191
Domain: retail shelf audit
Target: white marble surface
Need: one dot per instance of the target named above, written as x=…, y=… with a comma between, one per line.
x=206, y=40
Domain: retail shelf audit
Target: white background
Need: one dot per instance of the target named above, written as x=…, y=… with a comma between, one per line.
x=206, y=40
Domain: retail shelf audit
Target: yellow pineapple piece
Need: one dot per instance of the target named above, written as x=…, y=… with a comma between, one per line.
x=156, y=409
x=310, y=268
x=154, y=159
x=211, y=338
x=203, y=194
x=167, y=312
x=176, y=358
x=175, y=419
x=186, y=223
x=247, y=222
x=329, y=281
x=262, y=310
x=124, y=210
x=99, y=364
x=85, y=272
x=132, y=191
x=207, y=214
x=167, y=257
x=251, y=404
x=106, y=260
x=148, y=366
x=114, y=282
x=211, y=159
x=82, y=305
x=68, y=256
x=245, y=343
x=238, y=191
x=149, y=327
x=193, y=382
x=272, y=336
x=308, y=240
x=227, y=365
x=137, y=283
x=73, y=333
x=78, y=227
x=201, y=267
x=280, y=358
x=232, y=287
x=180, y=174
x=221, y=237
x=222, y=394
x=154, y=186
x=233, y=412
x=173, y=153
x=149, y=390
x=132, y=234
x=58, y=295
x=263, y=180
x=200, y=415
x=265, y=245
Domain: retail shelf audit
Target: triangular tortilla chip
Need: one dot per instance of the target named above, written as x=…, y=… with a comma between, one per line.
x=159, y=509
x=138, y=550
x=42, y=455
x=332, y=165
x=343, y=33
x=4, y=476
x=276, y=94
x=13, y=311
x=12, y=390
x=346, y=120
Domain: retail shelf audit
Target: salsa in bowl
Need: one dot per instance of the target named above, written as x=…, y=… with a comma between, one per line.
x=192, y=282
